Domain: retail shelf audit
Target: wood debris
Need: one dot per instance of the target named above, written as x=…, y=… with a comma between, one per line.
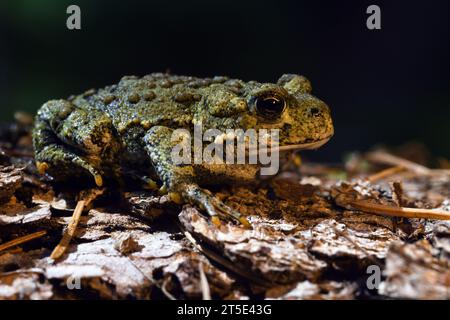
x=314, y=235
x=414, y=272
x=22, y=240
x=10, y=180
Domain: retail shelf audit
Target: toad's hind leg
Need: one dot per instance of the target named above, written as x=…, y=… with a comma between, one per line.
x=61, y=144
x=180, y=178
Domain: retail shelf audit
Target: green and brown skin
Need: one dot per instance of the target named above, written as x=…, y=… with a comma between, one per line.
x=106, y=132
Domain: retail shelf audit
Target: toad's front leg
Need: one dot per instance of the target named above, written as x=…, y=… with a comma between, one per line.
x=70, y=142
x=180, y=179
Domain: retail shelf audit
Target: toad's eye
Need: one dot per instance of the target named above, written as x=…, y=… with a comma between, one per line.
x=270, y=106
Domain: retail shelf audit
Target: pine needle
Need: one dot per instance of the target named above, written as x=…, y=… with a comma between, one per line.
x=206, y=291
x=88, y=197
x=22, y=240
x=386, y=158
x=62, y=246
x=385, y=173
x=403, y=212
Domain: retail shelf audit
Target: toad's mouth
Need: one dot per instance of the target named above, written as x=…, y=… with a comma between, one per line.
x=293, y=147
x=297, y=147
x=303, y=146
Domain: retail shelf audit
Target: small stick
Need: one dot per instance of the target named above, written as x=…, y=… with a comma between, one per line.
x=206, y=292
x=22, y=240
x=386, y=158
x=386, y=210
x=88, y=197
x=397, y=197
x=70, y=231
x=165, y=291
x=397, y=193
x=385, y=173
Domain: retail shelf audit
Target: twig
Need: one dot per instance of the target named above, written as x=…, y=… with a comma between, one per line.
x=397, y=197
x=70, y=231
x=397, y=193
x=386, y=158
x=386, y=210
x=88, y=197
x=22, y=240
x=165, y=291
x=385, y=173
x=206, y=292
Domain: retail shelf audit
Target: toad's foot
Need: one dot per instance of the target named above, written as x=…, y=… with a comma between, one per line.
x=213, y=206
x=59, y=160
x=177, y=179
x=136, y=176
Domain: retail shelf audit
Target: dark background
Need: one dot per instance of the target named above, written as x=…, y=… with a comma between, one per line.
x=386, y=86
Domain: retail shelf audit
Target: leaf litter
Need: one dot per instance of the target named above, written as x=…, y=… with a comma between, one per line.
x=314, y=233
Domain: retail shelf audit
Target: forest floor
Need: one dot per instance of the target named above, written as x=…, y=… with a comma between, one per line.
x=318, y=232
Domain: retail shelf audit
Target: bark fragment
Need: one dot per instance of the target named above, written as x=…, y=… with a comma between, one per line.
x=11, y=179
x=413, y=272
x=307, y=242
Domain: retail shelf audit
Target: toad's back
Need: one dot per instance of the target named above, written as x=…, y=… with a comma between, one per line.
x=155, y=99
